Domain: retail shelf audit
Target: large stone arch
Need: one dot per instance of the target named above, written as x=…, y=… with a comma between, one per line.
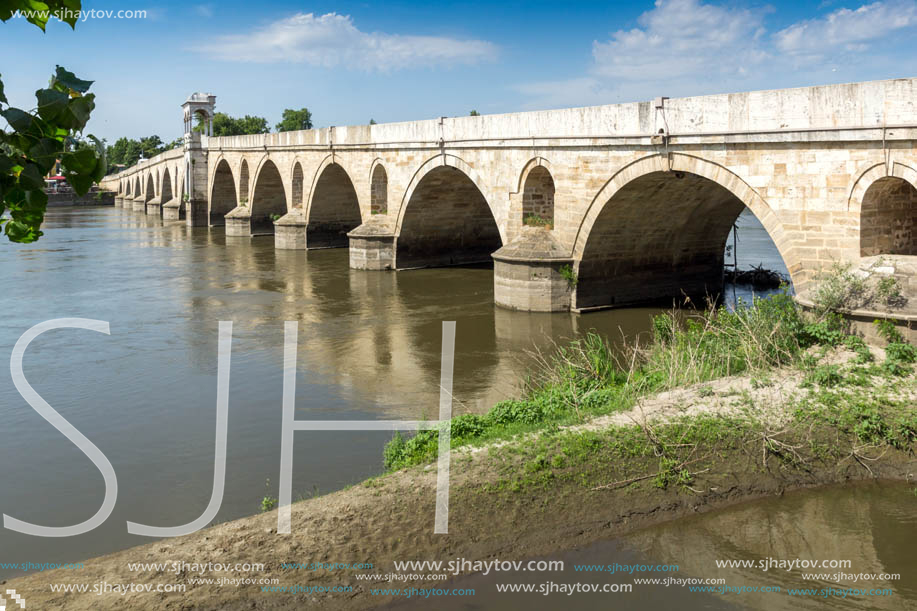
x=333, y=209
x=456, y=163
x=150, y=188
x=137, y=187
x=165, y=189
x=445, y=220
x=222, y=192
x=658, y=229
x=269, y=198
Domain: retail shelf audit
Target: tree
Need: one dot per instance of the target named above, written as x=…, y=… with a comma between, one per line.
x=224, y=125
x=126, y=151
x=474, y=113
x=151, y=146
x=29, y=150
x=372, y=122
x=294, y=120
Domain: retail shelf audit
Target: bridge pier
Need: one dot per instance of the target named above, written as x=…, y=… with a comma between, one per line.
x=139, y=204
x=534, y=273
x=196, y=214
x=290, y=231
x=154, y=207
x=239, y=222
x=171, y=210
x=372, y=244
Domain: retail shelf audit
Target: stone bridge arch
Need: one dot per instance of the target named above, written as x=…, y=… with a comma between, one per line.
x=333, y=208
x=297, y=185
x=658, y=228
x=445, y=217
x=378, y=187
x=885, y=198
x=244, y=182
x=223, y=198
x=150, y=191
x=269, y=197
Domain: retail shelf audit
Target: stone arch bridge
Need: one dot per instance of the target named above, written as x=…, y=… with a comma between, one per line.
x=578, y=208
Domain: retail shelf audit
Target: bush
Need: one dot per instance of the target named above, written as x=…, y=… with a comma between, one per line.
x=842, y=290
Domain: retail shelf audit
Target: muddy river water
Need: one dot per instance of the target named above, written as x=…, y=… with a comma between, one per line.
x=369, y=348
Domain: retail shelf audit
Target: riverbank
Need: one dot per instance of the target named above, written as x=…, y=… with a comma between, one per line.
x=592, y=451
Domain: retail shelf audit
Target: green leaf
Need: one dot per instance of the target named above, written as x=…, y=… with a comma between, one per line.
x=2, y=95
x=38, y=201
x=6, y=164
x=82, y=161
x=37, y=12
x=70, y=17
x=51, y=103
x=69, y=80
x=77, y=113
x=45, y=148
x=19, y=119
x=81, y=183
x=31, y=177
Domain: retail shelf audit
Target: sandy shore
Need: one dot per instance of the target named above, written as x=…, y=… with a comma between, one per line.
x=494, y=513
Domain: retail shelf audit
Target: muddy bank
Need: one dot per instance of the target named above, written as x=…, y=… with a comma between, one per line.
x=673, y=455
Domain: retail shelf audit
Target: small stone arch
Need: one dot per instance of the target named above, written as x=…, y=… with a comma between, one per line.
x=296, y=186
x=378, y=189
x=243, y=183
x=888, y=218
x=538, y=197
x=874, y=172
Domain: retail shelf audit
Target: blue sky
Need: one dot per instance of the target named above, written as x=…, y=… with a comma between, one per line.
x=394, y=61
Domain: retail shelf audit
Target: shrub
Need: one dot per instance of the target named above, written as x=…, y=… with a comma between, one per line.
x=569, y=274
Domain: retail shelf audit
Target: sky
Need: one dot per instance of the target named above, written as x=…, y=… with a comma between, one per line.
x=398, y=61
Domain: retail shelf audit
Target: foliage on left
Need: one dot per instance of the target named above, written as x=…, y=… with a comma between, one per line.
x=37, y=139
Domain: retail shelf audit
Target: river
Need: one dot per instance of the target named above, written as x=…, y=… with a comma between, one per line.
x=369, y=346
x=860, y=529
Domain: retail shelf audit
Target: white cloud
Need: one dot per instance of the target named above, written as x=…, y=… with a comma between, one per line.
x=333, y=40
x=851, y=30
x=682, y=38
x=689, y=47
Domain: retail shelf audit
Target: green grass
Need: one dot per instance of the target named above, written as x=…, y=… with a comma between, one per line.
x=589, y=377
